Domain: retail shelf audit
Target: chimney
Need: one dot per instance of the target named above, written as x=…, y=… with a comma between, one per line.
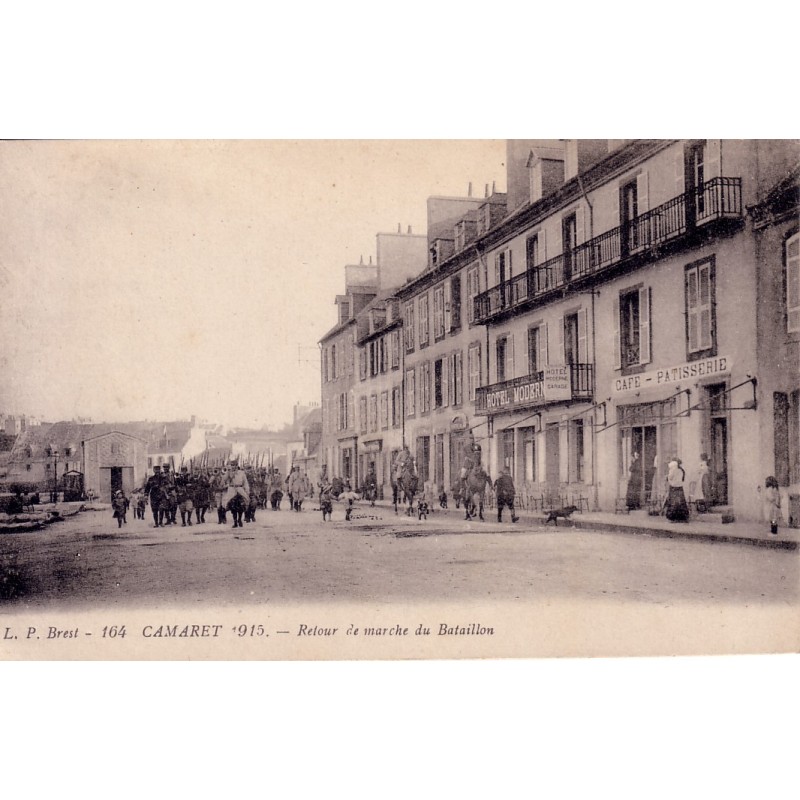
x=361, y=262
x=486, y=190
x=492, y=187
x=409, y=230
x=370, y=260
x=469, y=189
x=399, y=228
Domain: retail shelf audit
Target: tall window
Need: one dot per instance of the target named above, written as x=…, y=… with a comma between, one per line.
x=411, y=392
x=532, y=251
x=439, y=384
x=571, y=339
x=473, y=371
x=425, y=387
x=569, y=234
x=384, y=410
x=373, y=413
x=362, y=363
x=325, y=364
x=534, y=365
x=334, y=374
x=793, y=284
x=472, y=293
x=408, y=327
x=395, y=349
x=628, y=211
x=397, y=407
x=501, y=347
x=632, y=323
x=455, y=304
x=458, y=380
x=699, y=279
x=576, y=451
x=423, y=320
x=362, y=414
x=438, y=313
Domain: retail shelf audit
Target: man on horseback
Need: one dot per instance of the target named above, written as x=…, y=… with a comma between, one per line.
x=474, y=480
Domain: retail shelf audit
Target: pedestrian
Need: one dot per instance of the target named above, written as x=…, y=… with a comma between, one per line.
x=677, y=509
x=370, y=486
x=326, y=501
x=505, y=491
x=705, y=494
x=184, y=491
x=153, y=490
x=350, y=497
x=633, y=496
x=120, y=506
x=772, y=503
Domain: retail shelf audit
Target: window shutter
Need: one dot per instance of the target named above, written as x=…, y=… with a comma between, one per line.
x=617, y=347
x=542, y=246
x=350, y=409
x=561, y=356
x=509, y=271
x=497, y=270
x=580, y=225
x=713, y=162
x=643, y=192
x=510, y=357
x=644, y=325
x=447, y=312
x=680, y=172
x=544, y=344
x=793, y=284
x=443, y=376
x=583, y=356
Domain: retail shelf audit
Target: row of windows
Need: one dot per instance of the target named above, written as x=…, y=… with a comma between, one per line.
x=337, y=359
x=632, y=329
x=380, y=355
x=433, y=314
x=379, y=412
x=440, y=383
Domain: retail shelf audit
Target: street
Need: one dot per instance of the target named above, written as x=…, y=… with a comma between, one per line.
x=378, y=558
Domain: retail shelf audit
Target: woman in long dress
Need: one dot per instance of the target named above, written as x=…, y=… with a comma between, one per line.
x=633, y=496
x=676, y=508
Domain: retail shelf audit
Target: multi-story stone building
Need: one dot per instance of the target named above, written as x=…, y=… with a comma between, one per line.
x=443, y=346
x=398, y=257
x=622, y=308
x=776, y=222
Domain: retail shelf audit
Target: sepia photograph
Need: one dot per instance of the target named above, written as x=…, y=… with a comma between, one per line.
x=399, y=399
x=351, y=447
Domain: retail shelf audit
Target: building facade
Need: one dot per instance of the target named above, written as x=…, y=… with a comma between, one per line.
x=623, y=304
x=630, y=326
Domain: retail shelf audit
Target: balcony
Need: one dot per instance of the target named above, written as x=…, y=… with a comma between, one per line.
x=718, y=199
x=555, y=384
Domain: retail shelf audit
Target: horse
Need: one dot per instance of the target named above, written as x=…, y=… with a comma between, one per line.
x=474, y=491
x=238, y=505
x=405, y=488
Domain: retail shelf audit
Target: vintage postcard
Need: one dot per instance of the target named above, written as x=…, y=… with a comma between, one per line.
x=399, y=399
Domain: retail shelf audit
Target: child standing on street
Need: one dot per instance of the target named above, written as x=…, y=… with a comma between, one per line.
x=325, y=501
x=772, y=503
x=120, y=506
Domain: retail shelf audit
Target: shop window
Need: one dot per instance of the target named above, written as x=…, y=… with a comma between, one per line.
x=576, y=451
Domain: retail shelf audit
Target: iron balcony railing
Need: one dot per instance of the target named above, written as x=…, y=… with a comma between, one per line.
x=719, y=198
x=530, y=391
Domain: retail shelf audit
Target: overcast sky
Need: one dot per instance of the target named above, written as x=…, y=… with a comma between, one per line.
x=163, y=279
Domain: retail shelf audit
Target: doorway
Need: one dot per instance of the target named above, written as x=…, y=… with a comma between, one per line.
x=718, y=441
x=552, y=455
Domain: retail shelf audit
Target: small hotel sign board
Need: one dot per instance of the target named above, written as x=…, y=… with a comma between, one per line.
x=669, y=376
x=555, y=385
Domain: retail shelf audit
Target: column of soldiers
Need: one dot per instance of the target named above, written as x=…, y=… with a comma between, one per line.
x=192, y=492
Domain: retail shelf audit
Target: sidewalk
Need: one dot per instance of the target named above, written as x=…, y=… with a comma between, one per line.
x=701, y=527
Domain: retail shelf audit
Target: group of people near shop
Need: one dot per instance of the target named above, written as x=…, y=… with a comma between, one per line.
x=675, y=505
